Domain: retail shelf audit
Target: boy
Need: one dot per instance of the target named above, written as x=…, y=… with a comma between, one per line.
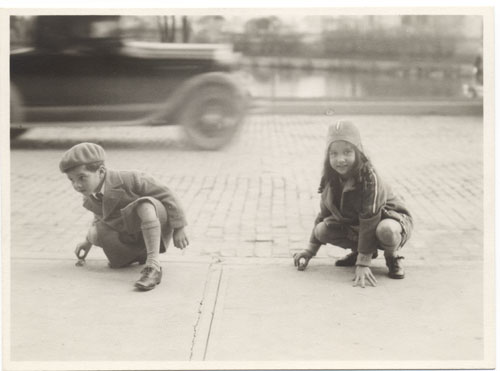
x=135, y=216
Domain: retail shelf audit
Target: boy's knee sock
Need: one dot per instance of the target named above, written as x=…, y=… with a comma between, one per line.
x=151, y=232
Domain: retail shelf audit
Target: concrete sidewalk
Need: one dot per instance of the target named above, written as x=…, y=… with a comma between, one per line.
x=243, y=310
x=63, y=313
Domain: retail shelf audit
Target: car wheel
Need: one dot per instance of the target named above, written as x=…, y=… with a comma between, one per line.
x=212, y=117
x=16, y=112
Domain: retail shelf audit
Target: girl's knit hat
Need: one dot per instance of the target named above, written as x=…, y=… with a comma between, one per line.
x=344, y=130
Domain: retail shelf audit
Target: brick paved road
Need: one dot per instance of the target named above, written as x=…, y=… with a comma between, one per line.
x=257, y=197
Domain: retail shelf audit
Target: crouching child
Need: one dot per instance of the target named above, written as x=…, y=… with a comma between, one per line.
x=135, y=216
x=358, y=211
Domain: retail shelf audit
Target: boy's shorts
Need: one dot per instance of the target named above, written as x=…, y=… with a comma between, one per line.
x=126, y=246
x=132, y=222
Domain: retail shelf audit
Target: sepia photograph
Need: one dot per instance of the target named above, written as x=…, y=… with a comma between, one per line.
x=248, y=188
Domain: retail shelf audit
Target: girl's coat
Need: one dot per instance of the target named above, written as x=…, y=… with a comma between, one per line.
x=364, y=201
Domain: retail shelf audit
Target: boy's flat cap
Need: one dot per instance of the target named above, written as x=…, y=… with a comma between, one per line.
x=81, y=154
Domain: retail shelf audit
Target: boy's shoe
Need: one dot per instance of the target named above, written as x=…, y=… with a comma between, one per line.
x=395, y=266
x=149, y=279
x=350, y=259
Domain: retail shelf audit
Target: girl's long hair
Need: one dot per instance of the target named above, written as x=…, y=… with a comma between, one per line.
x=329, y=175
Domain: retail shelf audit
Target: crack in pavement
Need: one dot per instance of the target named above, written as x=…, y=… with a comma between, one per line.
x=206, y=292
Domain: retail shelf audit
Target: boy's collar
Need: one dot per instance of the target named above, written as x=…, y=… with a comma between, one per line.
x=102, y=186
x=113, y=179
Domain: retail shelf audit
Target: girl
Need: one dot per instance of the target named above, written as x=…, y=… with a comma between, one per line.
x=357, y=210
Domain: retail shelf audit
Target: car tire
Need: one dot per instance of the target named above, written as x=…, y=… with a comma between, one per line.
x=212, y=116
x=16, y=112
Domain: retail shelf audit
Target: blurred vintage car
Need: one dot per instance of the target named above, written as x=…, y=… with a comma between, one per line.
x=79, y=70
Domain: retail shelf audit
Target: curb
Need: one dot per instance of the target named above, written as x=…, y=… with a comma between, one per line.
x=469, y=107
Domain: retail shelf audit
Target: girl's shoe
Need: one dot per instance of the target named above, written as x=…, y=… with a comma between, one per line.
x=350, y=259
x=395, y=266
x=347, y=261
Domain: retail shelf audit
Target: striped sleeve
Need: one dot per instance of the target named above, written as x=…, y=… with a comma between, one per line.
x=374, y=197
x=373, y=194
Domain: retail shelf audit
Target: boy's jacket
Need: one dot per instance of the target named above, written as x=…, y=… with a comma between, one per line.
x=364, y=201
x=123, y=187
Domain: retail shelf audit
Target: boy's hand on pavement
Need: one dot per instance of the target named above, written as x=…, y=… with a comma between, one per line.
x=363, y=274
x=82, y=249
x=180, y=238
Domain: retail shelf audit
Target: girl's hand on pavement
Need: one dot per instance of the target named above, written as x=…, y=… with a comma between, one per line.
x=301, y=259
x=363, y=274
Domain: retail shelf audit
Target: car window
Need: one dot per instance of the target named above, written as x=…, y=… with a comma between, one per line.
x=21, y=32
